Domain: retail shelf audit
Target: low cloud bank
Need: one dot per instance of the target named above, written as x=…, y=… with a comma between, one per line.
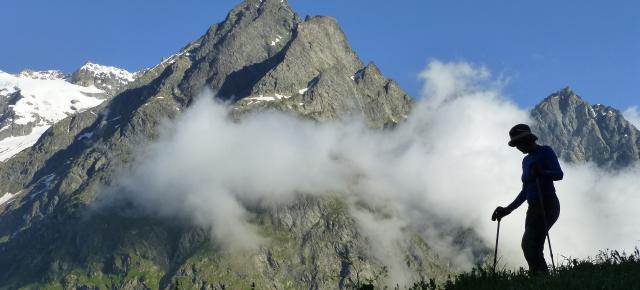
x=446, y=168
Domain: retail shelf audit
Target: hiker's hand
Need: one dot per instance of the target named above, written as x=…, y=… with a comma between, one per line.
x=499, y=213
x=537, y=169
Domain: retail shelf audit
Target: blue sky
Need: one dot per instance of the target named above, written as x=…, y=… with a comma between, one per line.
x=540, y=46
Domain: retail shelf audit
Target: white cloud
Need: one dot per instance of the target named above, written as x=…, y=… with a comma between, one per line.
x=446, y=168
x=633, y=116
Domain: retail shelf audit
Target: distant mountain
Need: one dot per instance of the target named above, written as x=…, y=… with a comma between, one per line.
x=262, y=56
x=288, y=63
x=32, y=101
x=581, y=132
x=109, y=79
x=42, y=75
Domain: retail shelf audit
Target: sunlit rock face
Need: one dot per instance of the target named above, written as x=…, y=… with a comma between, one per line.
x=580, y=132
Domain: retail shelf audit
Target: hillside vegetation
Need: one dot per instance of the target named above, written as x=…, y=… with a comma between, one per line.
x=607, y=270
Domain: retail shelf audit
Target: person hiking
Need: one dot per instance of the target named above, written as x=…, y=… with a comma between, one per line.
x=540, y=168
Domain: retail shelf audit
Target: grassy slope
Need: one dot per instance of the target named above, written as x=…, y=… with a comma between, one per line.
x=608, y=270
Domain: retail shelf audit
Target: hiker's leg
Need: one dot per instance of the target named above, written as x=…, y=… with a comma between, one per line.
x=532, y=247
x=533, y=241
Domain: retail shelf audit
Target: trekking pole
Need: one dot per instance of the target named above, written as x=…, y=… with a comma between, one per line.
x=544, y=218
x=495, y=254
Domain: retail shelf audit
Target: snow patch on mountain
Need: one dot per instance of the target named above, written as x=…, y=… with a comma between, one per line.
x=32, y=101
x=49, y=100
x=262, y=98
x=13, y=145
x=276, y=40
x=7, y=196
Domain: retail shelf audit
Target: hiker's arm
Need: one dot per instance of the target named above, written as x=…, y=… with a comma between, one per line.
x=552, y=166
x=522, y=196
x=501, y=212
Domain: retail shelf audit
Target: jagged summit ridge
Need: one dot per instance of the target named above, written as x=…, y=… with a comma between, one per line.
x=107, y=78
x=262, y=50
x=586, y=133
x=262, y=57
x=42, y=75
x=243, y=41
x=265, y=53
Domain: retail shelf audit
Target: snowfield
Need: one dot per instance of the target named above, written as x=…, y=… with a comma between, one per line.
x=49, y=99
x=44, y=99
x=13, y=145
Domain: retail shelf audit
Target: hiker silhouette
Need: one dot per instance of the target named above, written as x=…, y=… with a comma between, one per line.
x=540, y=168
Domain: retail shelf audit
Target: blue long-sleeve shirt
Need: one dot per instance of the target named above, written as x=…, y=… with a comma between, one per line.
x=551, y=171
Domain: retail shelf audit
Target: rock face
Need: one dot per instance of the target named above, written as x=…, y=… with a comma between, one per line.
x=262, y=56
x=111, y=80
x=42, y=75
x=271, y=58
x=581, y=132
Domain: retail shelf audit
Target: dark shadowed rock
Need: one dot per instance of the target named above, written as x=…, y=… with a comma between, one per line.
x=234, y=54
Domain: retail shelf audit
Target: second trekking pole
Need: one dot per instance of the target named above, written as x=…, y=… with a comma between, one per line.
x=495, y=254
x=544, y=218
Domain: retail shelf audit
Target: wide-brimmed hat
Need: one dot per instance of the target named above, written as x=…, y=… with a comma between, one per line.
x=521, y=133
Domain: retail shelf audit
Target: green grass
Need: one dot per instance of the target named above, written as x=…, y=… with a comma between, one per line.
x=608, y=270
x=143, y=272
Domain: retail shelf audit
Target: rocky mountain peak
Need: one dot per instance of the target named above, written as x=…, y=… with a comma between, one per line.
x=581, y=132
x=265, y=54
x=107, y=78
x=265, y=5
x=564, y=100
x=42, y=75
x=239, y=49
x=261, y=57
x=565, y=92
x=246, y=14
